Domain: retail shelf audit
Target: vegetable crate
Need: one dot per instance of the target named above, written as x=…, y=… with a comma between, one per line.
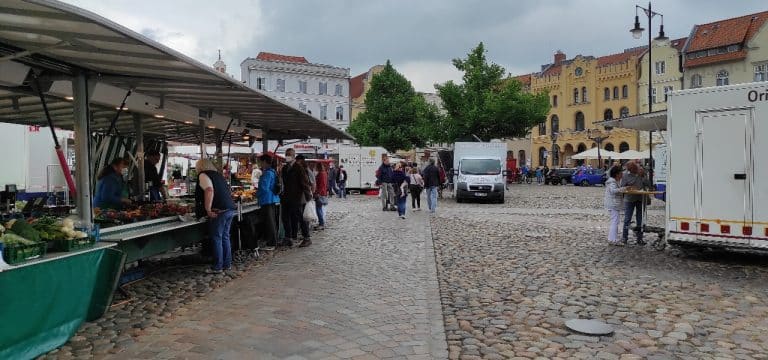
x=18, y=253
x=74, y=244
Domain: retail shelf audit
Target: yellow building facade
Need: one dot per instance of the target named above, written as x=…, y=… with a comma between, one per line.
x=582, y=91
x=358, y=87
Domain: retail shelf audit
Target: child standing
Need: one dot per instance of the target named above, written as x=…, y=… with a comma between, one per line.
x=613, y=203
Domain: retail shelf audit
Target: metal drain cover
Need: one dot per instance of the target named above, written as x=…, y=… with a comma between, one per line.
x=589, y=327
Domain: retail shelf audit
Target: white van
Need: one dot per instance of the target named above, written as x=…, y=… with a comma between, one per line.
x=478, y=170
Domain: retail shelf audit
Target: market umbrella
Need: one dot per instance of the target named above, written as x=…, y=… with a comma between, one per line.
x=593, y=154
x=633, y=155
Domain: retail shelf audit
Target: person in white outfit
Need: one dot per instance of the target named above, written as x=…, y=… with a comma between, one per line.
x=614, y=203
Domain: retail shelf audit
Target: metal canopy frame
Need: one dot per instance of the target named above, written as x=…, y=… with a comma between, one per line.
x=655, y=121
x=60, y=40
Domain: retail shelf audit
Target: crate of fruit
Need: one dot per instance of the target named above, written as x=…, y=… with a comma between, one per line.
x=19, y=252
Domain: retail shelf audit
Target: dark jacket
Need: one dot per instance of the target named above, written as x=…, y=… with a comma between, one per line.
x=398, y=178
x=431, y=176
x=332, y=174
x=295, y=184
x=222, y=197
x=385, y=173
x=151, y=174
x=338, y=176
x=634, y=180
x=109, y=191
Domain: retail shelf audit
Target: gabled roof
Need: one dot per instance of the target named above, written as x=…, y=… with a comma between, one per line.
x=679, y=44
x=524, y=79
x=619, y=58
x=551, y=70
x=267, y=56
x=357, y=85
x=726, y=32
x=714, y=59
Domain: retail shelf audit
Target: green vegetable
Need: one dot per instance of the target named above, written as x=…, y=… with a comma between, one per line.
x=23, y=229
x=13, y=239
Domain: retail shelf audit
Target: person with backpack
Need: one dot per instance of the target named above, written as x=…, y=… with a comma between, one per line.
x=341, y=182
x=400, y=182
x=415, y=187
x=267, y=193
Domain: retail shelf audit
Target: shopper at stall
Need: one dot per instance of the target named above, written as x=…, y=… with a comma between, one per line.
x=613, y=201
x=400, y=181
x=297, y=192
x=431, y=177
x=632, y=179
x=341, y=181
x=157, y=191
x=256, y=175
x=332, y=171
x=213, y=194
x=110, y=187
x=268, y=200
x=321, y=195
x=384, y=178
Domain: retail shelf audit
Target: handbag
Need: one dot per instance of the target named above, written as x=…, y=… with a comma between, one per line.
x=309, y=214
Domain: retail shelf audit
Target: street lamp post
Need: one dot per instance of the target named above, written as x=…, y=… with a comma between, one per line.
x=554, y=136
x=598, y=138
x=637, y=33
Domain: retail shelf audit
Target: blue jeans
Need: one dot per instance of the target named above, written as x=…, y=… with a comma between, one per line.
x=320, y=210
x=402, y=202
x=222, y=247
x=432, y=198
x=342, y=189
x=629, y=208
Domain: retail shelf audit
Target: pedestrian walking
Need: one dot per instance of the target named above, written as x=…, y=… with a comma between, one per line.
x=633, y=179
x=307, y=199
x=213, y=194
x=415, y=187
x=539, y=175
x=332, y=170
x=384, y=178
x=443, y=179
x=341, y=181
x=431, y=177
x=268, y=195
x=297, y=191
x=321, y=195
x=613, y=201
x=401, y=181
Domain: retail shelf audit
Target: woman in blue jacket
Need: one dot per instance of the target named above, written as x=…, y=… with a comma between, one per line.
x=268, y=200
x=110, y=186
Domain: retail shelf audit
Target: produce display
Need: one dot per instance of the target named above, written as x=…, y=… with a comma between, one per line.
x=244, y=195
x=141, y=213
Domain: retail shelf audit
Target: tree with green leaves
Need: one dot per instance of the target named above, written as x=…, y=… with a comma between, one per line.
x=487, y=104
x=395, y=116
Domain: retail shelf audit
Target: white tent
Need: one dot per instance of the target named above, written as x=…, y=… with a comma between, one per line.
x=633, y=155
x=593, y=154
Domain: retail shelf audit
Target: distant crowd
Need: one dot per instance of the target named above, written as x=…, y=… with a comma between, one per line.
x=396, y=182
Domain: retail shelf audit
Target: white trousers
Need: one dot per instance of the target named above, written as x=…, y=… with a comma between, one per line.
x=613, y=227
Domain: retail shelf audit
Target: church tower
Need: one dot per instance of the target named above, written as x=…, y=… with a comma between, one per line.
x=219, y=65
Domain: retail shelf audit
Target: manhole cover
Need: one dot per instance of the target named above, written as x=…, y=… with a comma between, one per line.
x=589, y=327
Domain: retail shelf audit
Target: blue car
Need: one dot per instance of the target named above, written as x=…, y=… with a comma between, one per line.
x=589, y=177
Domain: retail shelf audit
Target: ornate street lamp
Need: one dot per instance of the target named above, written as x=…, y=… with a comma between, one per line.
x=637, y=33
x=598, y=138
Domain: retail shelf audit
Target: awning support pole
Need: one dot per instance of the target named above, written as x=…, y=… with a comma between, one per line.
x=82, y=152
x=139, y=128
x=202, y=139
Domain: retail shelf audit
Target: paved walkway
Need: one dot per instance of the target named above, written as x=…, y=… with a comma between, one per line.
x=366, y=289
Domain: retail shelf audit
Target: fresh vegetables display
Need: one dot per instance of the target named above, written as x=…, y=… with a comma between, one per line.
x=145, y=212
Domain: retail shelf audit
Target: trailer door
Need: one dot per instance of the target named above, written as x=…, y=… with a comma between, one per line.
x=723, y=196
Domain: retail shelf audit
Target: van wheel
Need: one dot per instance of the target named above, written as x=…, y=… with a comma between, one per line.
x=584, y=183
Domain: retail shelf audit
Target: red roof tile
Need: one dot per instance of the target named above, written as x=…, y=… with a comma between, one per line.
x=619, y=58
x=267, y=56
x=525, y=79
x=552, y=71
x=679, y=44
x=736, y=30
x=714, y=59
x=357, y=85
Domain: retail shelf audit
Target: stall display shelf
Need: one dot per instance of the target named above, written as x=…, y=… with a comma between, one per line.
x=67, y=245
x=19, y=253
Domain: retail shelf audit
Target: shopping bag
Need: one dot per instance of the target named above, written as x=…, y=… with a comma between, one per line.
x=309, y=214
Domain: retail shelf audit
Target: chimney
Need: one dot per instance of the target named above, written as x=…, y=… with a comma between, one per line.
x=559, y=57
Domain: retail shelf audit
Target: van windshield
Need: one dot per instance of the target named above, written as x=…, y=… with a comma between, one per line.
x=480, y=167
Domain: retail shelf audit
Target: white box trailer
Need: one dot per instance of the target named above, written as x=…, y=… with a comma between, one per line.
x=31, y=162
x=361, y=164
x=717, y=181
x=478, y=168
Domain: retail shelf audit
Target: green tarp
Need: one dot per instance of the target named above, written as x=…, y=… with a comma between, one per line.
x=43, y=304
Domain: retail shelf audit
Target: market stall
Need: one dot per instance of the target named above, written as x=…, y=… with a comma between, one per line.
x=63, y=67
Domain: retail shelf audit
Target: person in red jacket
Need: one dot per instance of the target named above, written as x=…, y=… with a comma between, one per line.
x=321, y=194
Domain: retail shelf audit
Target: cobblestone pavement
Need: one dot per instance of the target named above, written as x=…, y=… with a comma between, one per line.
x=511, y=275
x=366, y=289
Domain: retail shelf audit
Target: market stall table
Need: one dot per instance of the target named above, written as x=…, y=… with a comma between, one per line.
x=660, y=242
x=145, y=239
x=44, y=301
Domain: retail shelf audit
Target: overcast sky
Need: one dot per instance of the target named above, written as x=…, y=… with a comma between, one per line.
x=419, y=36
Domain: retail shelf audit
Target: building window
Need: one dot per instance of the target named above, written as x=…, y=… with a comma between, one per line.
x=302, y=107
x=280, y=85
x=338, y=90
x=606, y=94
x=542, y=157
x=323, y=112
x=340, y=113
x=667, y=90
x=722, y=78
x=624, y=92
x=661, y=67
x=695, y=81
x=302, y=86
x=261, y=83
x=609, y=147
x=579, y=121
x=575, y=95
x=733, y=48
x=322, y=88
x=554, y=101
x=761, y=72
x=584, y=94
x=543, y=128
x=615, y=92
x=653, y=95
x=624, y=111
x=623, y=147
x=608, y=114
x=555, y=124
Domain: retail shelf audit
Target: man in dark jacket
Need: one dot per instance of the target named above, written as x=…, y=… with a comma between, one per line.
x=341, y=180
x=297, y=191
x=385, y=179
x=432, y=182
x=332, y=171
x=634, y=179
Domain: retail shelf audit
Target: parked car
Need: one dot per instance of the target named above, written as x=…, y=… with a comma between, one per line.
x=589, y=177
x=559, y=176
